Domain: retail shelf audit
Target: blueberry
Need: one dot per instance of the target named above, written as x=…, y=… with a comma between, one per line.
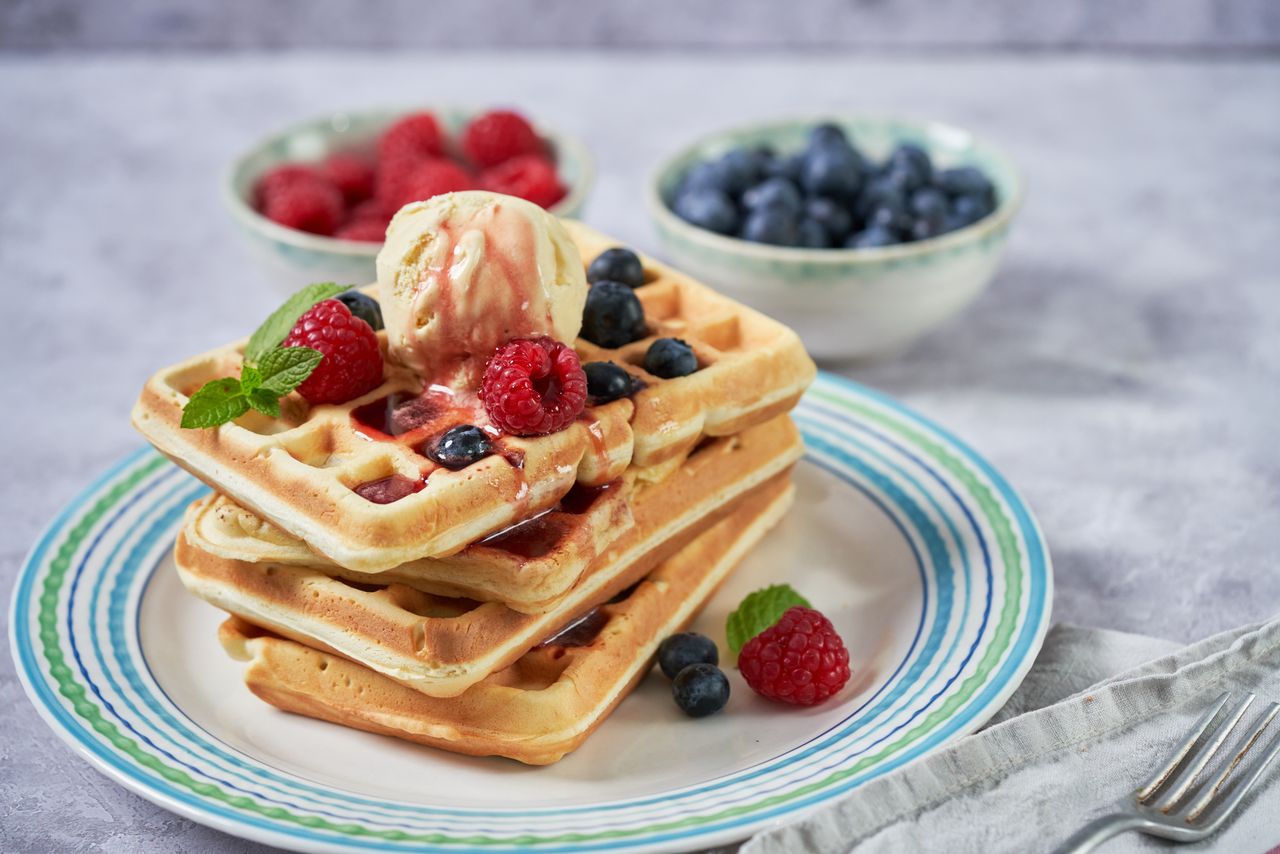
x=928, y=202
x=364, y=307
x=701, y=176
x=606, y=382
x=787, y=166
x=871, y=238
x=770, y=225
x=831, y=215
x=924, y=227
x=700, y=690
x=670, y=358
x=965, y=181
x=966, y=210
x=460, y=446
x=773, y=193
x=617, y=265
x=827, y=133
x=832, y=171
x=889, y=217
x=913, y=160
x=612, y=316
x=884, y=206
x=739, y=169
x=679, y=651
x=880, y=191
x=709, y=209
x=811, y=235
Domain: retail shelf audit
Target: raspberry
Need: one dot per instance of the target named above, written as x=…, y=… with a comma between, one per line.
x=352, y=175
x=417, y=135
x=426, y=179
x=498, y=136
x=370, y=230
x=533, y=386
x=312, y=205
x=352, y=363
x=799, y=659
x=370, y=210
x=529, y=176
x=275, y=180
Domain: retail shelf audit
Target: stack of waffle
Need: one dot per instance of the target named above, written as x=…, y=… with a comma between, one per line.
x=505, y=608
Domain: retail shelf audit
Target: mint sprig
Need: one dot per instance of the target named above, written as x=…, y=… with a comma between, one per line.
x=273, y=330
x=260, y=388
x=759, y=611
x=269, y=371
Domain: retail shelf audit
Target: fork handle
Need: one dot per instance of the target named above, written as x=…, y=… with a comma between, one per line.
x=1099, y=831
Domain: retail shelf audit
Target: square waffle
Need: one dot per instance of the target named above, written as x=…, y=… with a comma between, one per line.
x=547, y=702
x=441, y=646
x=528, y=566
x=314, y=466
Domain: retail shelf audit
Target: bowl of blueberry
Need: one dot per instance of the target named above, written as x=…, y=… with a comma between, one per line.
x=314, y=200
x=860, y=233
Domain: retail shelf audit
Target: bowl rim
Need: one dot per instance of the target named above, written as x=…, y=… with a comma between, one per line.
x=992, y=222
x=252, y=219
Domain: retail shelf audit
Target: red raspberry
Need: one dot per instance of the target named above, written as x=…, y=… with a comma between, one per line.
x=352, y=363
x=311, y=205
x=352, y=175
x=417, y=135
x=370, y=230
x=370, y=210
x=275, y=180
x=426, y=179
x=799, y=659
x=529, y=176
x=498, y=136
x=391, y=176
x=533, y=386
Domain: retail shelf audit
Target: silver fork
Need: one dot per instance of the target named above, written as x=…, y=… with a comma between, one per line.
x=1212, y=804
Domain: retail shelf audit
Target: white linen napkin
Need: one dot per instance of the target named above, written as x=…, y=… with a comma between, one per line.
x=1088, y=723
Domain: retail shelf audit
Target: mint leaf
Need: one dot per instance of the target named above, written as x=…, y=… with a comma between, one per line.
x=759, y=611
x=216, y=402
x=274, y=329
x=283, y=369
x=250, y=378
x=266, y=402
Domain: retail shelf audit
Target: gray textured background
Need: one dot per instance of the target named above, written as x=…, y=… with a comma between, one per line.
x=1123, y=370
x=1189, y=26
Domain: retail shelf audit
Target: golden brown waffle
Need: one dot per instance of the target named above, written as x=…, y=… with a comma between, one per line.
x=442, y=646
x=546, y=703
x=528, y=566
x=301, y=471
x=750, y=367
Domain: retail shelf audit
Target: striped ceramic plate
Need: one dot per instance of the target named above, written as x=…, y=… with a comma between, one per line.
x=929, y=564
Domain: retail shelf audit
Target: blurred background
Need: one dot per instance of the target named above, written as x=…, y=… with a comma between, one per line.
x=1122, y=369
x=1135, y=26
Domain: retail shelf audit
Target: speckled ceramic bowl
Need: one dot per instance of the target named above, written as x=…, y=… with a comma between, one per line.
x=848, y=303
x=292, y=258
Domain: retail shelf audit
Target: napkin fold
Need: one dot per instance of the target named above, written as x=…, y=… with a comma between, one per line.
x=1096, y=714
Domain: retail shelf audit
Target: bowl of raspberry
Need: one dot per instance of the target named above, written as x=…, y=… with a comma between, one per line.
x=314, y=200
x=861, y=233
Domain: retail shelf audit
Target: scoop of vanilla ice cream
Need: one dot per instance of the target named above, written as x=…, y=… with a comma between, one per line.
x=462, y=273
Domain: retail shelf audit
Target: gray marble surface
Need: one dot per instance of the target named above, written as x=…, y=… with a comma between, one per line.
x=1123, y=370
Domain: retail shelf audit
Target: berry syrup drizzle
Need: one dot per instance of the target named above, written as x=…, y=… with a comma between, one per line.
x=416, y=420
x=542, y=534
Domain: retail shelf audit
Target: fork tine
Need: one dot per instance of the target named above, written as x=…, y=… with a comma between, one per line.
x=1181, y=753
x=1206, y=798
x=1170, y=799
